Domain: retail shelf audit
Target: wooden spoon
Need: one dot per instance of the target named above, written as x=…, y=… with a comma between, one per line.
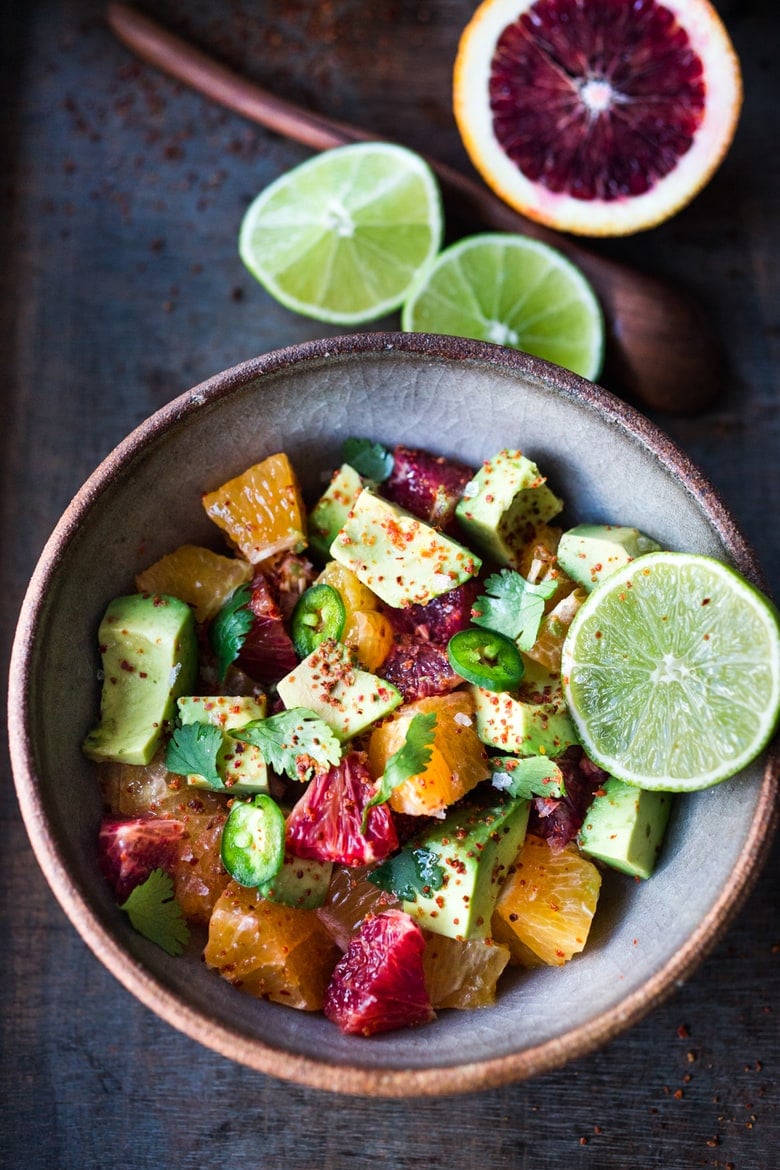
x=660, y=345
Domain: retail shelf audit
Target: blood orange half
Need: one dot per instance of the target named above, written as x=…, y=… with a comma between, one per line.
x=599, y=117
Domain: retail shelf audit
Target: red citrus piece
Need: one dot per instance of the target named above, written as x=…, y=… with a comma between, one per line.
x=379, y=984
x=599, y=117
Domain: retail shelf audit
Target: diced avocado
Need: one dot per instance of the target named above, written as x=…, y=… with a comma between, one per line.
x=590, y=552
x=399, y=557
x=346, y=698
x=527, y=776
x=302, y=882
x=240, y=765
x=149, y=651
x=502, y=505
x=473, y=849
x=331, y=510
x=624, y=827
x=521, y=726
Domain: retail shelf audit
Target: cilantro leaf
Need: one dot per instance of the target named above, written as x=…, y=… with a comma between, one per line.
x=155, y=913
x=412, y=757
x=528, y=777
x=293, y=742
x=513, y=606
x=230, y=627
x=192, y=750
x=411, y=872
x=371, y=460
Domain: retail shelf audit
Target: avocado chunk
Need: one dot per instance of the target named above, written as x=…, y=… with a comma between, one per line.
x=240, y=766
x=328, y=683
x=504, y=503
x=591, y=552
x=400, y=558
x=521, y=726
x=624, y=827
x=302, y=882
x=149, y=651
x=332, y=508
x=468, y=858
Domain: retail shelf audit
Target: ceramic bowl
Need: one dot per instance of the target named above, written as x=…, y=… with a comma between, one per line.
x=461, y=399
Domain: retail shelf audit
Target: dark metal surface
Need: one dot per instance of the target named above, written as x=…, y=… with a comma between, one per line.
x=121, y=199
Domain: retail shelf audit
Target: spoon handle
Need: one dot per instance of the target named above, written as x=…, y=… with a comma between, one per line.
x=659, y=343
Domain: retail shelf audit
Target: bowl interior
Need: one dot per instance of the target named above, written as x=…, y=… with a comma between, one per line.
x=461, y=400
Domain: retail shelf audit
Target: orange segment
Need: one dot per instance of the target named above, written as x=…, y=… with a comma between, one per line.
x=202, y=578
x=458, y=760
x=350, y=898
x=270, y=951
x=547, y=904
x=366, y=629
x=261, y=511
x=462, y=974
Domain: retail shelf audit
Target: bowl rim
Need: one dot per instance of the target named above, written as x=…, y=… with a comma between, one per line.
x=356, y=1078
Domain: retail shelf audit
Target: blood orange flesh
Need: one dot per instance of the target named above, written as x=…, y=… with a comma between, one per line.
x=597, y=116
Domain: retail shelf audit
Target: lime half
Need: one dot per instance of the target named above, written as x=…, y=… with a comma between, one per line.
x=513, y=291
x=341, y=237
x=671, y=670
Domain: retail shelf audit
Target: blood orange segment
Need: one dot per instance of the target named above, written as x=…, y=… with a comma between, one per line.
x=548, y=903
x=270, y=951
x=379, y=984
x=261, y=510
x=597, y=116
x=202, y=578
x=457, y=763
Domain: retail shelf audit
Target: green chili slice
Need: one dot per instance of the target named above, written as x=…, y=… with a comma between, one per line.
x=319, y=614
x=486, y=658
x=253, y=841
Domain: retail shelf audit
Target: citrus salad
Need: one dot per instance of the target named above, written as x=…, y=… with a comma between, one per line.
x=383, y=748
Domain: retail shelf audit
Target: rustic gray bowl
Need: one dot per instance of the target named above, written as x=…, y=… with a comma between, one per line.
x=462, y=399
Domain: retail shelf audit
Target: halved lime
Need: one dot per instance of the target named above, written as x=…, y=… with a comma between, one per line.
x=341, y=237
x=513, y=291
x=671, y=670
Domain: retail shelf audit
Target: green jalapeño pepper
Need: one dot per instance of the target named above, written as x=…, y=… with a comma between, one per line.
x=319, y=614
x=488, y=659
x=253, y=841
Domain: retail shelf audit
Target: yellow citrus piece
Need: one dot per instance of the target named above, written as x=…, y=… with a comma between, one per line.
x=462, y=974
x=370, y=633
x=547, y=904
x=202, y=578
x=356, y=596
x=270, y=951
x=591, y=141
x=458, y=760
x=261, y=510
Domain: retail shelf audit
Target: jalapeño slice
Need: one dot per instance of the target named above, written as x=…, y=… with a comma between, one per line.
x=253, y=841
x=486, y=658
x=319, y=614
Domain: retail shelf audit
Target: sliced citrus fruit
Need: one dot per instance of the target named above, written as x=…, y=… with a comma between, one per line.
x=671, y=672
x=512, y=291
x=261, y=510
x=202, y=578
x=270, y=951
x=547, y=905
x=457, y=762
x=340, y=237
x=462, y=974
x=599, y=117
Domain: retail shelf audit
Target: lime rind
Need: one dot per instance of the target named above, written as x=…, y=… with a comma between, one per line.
x=341, y=237
x=514, y=291
x=671, y=672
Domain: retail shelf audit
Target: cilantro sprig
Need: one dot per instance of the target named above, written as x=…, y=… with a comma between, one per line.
x=230, y=627
x=412, y=757
x=528, y=777
x=154, y=913
x=193, y=750
x=293, y=743
x=413, y=871
x=369, y=459
x=513, y=606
